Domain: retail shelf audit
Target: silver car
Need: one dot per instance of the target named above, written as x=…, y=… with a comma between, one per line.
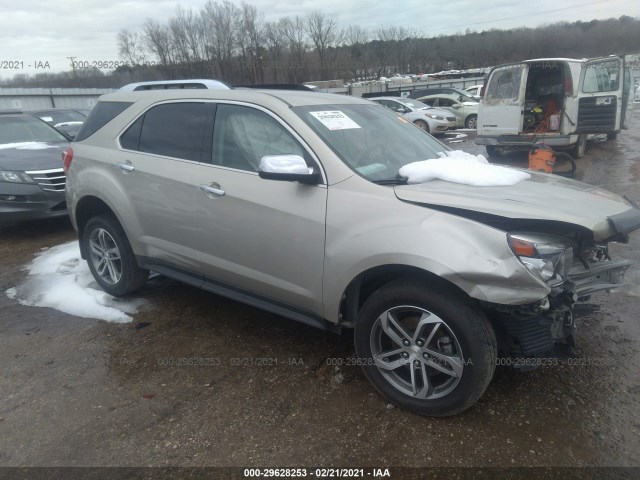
x=293, y=202
x=466, y=112
x=432, y=120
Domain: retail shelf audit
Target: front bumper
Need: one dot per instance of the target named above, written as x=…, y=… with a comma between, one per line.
x=21, y=202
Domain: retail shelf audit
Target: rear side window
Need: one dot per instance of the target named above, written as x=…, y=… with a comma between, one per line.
x=172, y=129
x=101, y=114
x=504, y=85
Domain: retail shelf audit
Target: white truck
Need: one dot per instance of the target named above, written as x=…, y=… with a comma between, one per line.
x=558, y=101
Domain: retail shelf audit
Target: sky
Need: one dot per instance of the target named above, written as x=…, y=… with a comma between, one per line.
x=40, y=35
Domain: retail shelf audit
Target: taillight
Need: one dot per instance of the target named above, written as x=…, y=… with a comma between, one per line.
x=67, y=156
x=482, y=89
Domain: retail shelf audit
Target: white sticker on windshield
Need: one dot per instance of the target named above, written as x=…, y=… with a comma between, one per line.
x=335, y=120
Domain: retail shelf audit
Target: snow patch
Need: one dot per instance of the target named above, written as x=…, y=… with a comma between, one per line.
x=460, y=167
x=60, y=279
x=27, y=146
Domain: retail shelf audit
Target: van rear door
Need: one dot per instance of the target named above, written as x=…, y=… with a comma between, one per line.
x=600, y=95
x=631, y=62
x=502, y=107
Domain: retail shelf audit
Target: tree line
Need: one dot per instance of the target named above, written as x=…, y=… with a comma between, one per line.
x=236, y=44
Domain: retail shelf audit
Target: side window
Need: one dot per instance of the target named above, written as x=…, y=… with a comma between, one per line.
x=429, y=101
x=445, y=102
x=603, y=76
x=243, y=135
x=131, y=138
x=173, y=130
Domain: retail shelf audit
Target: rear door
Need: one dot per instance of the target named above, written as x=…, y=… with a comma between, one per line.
x=502, y=108
x=631, y=64
x=600, y=95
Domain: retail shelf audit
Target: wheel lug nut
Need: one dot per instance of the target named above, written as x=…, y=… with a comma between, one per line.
x=406, y=343
x=405, y=355
x=416, y=363
x=419, y=343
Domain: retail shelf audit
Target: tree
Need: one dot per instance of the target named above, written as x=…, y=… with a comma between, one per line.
x=324, y=34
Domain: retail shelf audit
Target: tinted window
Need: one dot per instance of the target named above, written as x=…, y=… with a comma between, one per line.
x=101, y=114
x=601, y=77
x=131, y=138
x=243, y=135
x=174, y=130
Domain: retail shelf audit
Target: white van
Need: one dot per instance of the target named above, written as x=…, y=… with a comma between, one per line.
x=556, y=100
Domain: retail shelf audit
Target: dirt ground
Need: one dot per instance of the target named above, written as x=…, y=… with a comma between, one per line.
x=83, y=392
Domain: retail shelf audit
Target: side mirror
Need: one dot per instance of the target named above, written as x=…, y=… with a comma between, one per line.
x=456, y=105
x=290, y=168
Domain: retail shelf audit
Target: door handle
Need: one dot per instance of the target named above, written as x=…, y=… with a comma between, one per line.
x=127, y=167
x=213, y=189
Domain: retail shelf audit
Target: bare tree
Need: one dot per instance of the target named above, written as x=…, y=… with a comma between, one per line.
x=294, y=29
x=220, y=22
x=158, y=40
x=324, y=34
x=276, y=43
x=131, y=47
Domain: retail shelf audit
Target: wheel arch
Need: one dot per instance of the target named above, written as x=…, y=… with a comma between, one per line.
x=370, y=280
x=87, y=208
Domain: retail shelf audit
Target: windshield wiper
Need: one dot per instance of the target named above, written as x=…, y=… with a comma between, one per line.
x=398, y=180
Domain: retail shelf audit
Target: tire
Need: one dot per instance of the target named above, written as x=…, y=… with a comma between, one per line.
x=119, y=274
x=423, y=125
x=612, y=136
x=580, y=147
x=492, y=151
x=456, y=349
x=471, y=122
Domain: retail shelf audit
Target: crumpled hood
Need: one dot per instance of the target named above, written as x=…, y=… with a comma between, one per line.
x=542, y=197
x=32, y=157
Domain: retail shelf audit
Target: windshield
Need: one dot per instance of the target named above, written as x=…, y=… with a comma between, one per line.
x=371, y=140
x=27, y=129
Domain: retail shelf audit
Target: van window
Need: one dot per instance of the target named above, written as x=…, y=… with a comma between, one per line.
x=602, y=77
x=504, y=86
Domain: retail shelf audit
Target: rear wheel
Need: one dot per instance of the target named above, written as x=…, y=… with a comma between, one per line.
x=580, y=147
x=471, y=122
x=110, y=257
x=428, y=350
x=492, y=151
x=423, y=125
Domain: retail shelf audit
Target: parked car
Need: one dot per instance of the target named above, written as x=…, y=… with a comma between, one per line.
x=423, y=92
x=475, y=91
x=427, y=118
x=67, y=120
x=466, y=112
x=293, y=202
x=32, y=181
x=558, y=101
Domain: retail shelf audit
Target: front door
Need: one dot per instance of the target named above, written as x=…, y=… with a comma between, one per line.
x=264, y=236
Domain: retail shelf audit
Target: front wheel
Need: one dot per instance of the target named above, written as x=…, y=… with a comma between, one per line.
x=110, y=257
x=427, y=349
x=471, y=122
x=423, y=125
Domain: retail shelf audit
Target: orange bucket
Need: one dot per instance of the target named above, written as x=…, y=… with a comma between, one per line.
x=542, y=158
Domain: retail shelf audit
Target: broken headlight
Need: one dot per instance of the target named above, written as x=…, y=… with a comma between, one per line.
x=546, y=256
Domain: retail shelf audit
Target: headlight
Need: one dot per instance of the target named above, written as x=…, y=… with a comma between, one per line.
x=434, y=116
x=546, y=256
x=15, y=177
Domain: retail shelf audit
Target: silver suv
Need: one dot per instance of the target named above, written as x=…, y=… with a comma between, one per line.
x=292, y=202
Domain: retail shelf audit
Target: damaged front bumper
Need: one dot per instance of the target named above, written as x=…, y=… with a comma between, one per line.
x=546, y=329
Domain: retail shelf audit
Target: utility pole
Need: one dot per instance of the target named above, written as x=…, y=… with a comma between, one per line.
x=73, y=67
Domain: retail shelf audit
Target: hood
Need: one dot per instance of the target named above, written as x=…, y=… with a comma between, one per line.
x=542, y=197
x=31, y=156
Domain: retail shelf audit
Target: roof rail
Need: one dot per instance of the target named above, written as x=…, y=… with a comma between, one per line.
x=197, y=84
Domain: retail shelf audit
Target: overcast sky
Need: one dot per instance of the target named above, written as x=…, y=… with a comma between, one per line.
x=34, y=32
